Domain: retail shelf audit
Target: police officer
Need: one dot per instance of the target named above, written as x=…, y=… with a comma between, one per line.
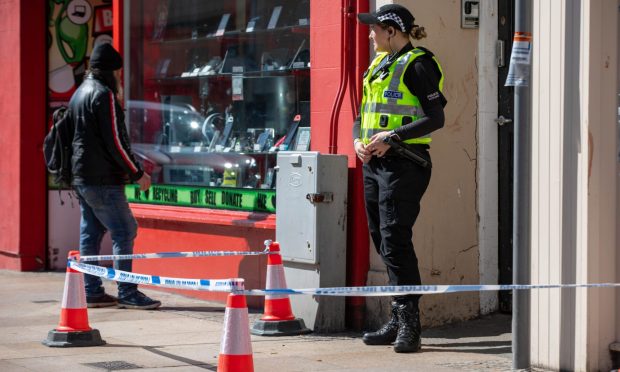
x=403, y=100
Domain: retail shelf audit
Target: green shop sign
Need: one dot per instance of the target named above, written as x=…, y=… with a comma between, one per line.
x=251, y=200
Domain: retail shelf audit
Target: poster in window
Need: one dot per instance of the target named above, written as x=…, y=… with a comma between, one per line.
x=74, y=28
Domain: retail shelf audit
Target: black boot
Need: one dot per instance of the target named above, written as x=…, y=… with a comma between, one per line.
x=409, y=328
x=387, y=334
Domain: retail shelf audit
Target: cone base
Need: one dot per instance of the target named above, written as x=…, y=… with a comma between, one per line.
x=279, y=328
x=235, y=363
x=73, y=339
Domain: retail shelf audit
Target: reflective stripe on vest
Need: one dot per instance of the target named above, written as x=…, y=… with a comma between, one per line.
x=394, y=108
x=387, y=101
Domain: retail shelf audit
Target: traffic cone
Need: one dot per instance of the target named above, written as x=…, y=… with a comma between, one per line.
x=278, y=319
x=236, y=348
x=73, y=329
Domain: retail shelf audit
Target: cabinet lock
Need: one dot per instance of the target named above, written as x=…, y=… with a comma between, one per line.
x=325, y=197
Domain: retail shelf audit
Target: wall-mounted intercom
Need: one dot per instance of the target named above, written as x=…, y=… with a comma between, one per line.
x=470, y=13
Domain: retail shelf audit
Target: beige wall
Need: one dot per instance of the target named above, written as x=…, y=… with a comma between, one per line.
x=445, y=236
x=574, y=88
x=617, y=305
x=601, y=66
x=488, y=161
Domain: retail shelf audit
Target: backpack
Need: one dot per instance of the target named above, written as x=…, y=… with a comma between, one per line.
x=58, y=147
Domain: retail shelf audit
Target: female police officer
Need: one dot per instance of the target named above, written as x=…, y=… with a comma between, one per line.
x=402, y=100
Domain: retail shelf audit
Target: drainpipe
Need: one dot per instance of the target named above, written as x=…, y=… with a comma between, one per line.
x=345, y=52
x=522, y=206
x=358, y=246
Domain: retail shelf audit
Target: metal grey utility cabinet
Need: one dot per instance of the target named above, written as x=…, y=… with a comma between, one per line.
x=311, y=225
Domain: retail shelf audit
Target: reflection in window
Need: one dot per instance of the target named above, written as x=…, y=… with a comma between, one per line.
x=216, y=88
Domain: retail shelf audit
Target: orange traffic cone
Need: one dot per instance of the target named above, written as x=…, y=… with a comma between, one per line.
x=278, y=319
x=236, y=348
x=73, y=329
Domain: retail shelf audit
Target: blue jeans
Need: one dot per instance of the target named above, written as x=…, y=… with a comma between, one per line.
x=105, y=208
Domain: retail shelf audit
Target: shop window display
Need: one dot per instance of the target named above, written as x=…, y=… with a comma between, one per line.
x=215, y=89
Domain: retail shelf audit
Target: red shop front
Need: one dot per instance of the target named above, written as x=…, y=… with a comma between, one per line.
x=212, y=90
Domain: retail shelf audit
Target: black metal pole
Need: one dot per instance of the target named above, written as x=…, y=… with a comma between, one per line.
x=522, y=205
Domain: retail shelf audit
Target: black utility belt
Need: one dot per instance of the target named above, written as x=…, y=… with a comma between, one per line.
x=417, y=149
x=416, y=146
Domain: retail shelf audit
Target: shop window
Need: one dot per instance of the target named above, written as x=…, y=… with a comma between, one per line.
x=213, y=90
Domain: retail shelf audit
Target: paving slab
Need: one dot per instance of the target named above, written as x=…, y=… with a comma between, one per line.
x=184, y=335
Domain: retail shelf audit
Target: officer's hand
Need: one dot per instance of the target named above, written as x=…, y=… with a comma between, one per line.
x=144, y=182
x=376, y=146
x=362, y=152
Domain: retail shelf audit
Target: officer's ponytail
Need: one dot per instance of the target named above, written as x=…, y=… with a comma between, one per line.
x=417, y=32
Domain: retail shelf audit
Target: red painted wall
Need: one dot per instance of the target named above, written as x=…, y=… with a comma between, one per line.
x=358, y=245
x=327, y=49
x=179, y=229
x=23, y=111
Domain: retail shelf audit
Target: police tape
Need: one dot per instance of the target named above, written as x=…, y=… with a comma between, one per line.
x=170, y=255
x=211, y=285
x=237, y=285
x=370, y=291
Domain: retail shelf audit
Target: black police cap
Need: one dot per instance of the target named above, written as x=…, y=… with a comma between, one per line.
x=391, y=14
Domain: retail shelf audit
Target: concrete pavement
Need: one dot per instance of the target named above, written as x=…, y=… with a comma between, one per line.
x=184, y=335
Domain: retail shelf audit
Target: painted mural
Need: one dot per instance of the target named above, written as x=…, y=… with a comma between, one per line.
x=74, y=28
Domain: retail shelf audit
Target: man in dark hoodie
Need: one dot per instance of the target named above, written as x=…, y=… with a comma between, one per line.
x=102, y=164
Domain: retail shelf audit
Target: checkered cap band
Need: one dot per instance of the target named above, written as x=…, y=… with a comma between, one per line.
x=393, y=17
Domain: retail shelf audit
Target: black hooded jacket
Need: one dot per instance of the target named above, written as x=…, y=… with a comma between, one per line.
x=101, y=150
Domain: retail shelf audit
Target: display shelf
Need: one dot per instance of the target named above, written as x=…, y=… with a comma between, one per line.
x=237, y=35
x=227, y=76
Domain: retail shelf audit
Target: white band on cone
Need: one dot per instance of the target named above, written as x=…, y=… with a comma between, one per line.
x=275, y=280
x=74, y=296
x=236, y=337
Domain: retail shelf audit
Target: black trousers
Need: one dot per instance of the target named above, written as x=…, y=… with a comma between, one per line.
x=393, y=188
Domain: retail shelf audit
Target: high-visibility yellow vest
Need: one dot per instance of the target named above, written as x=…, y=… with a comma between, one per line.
x=387, y=101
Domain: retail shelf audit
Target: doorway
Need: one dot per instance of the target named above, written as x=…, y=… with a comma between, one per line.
x=505, y=97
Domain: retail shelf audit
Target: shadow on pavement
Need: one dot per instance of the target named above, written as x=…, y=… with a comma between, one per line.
x=155, y=350
x=197, y=309
x=488, y=326
x=499, y=350
x=473, y=343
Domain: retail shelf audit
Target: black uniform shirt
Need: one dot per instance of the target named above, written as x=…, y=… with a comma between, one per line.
x=422, y=80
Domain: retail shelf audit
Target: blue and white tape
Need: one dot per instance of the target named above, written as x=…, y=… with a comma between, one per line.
x=211, y=285
x=170, y=255
x=236, y=285
x=370, y=291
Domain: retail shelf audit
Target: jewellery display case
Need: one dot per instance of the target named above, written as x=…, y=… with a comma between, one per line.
x=216, y=88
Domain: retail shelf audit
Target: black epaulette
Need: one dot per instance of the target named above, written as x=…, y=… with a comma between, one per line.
x=426, y=51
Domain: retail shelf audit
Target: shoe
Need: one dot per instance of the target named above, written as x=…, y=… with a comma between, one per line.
x=408, y=339
x=105, y=300
x=138, y=300
x=387, y=334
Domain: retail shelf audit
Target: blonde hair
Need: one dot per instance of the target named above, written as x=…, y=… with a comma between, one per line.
x=417, y=32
